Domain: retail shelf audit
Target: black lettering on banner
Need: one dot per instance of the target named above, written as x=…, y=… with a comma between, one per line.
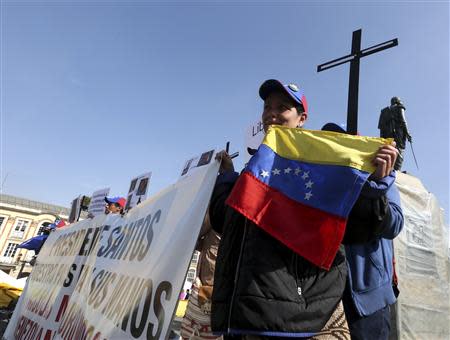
x=94, y=239
x=115, y=296
x=135, y=245
x=94, y=286
x=130, y=232
x=116, y=243
x=146, y=291
x=118, y=302
x=123, y=310
x=133, y=238
x=67, y=244
x=103, y=249
x=82, y=277
x=68, y=280
x=99, y=288
x=111, y=242
x=166, y=287
x=149, y=233
x=86, y=240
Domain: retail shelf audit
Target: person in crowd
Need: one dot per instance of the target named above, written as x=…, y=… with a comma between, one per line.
x=375, y=220
x=197, y=320
x=115, y=205
x=262, y=288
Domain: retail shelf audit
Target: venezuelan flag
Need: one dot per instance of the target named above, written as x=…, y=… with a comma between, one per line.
x=301, y=185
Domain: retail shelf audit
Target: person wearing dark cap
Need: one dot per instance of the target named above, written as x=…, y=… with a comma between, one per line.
x=288, y=295
x=115, y=205
x=374, y=221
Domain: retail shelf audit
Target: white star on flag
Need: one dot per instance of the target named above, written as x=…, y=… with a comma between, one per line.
x=309, y=184
x=276, y=171
x=297, y=171
x=264, y=173
x=305, y=175
x=308, y=195
x=287, y=170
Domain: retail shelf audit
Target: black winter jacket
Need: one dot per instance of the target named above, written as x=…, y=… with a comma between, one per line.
x=260, y=285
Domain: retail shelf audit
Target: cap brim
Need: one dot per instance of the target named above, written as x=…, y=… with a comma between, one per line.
x=273, y=85
x=251, y=151
x=269, y=86
x=333, y=127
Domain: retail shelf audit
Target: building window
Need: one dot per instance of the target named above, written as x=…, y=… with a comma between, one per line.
x=190, y=275
x=21, y=225
x=10, y=250
x=195, y=257
x=2, y=219
x=19, y=228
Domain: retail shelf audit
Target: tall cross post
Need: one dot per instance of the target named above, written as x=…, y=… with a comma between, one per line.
x=353, y=87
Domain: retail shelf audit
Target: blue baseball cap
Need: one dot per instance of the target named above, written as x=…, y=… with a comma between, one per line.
x=121, y=201
x=333, y=127
x=293, y=90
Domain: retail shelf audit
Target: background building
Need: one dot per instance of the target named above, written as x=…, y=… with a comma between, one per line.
x=20, y=220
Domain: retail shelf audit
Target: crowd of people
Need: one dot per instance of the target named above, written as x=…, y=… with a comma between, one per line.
x=250, y=285
x=261, y=289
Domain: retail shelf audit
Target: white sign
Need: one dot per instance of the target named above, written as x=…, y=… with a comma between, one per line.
x=97, y=204
x=115, y=277
x=254, y=135
x=197, y=161
x=75, y=209
x=138, y=190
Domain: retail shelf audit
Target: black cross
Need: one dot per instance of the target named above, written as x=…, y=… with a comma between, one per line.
x=353, y=86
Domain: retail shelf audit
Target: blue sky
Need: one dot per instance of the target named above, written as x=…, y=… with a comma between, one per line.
x=95, y=93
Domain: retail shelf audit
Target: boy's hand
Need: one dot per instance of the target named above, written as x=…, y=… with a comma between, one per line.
x=384, y=161
x=226, y=164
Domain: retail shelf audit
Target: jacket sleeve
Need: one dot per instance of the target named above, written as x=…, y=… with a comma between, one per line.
x=377, y=212
x=394, y=225
x=385, y=191
x=217, y=207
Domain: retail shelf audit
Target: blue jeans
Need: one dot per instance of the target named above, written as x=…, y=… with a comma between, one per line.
x=375, y=326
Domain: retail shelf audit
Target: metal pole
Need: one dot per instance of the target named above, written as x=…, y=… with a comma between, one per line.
x=352, y=109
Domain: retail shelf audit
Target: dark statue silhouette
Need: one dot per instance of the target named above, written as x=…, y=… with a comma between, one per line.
x=392, y=124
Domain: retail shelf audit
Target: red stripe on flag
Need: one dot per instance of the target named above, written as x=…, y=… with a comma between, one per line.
x=310, y=232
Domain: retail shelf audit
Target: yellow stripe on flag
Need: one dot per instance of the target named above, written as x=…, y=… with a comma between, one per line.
x=324, y=147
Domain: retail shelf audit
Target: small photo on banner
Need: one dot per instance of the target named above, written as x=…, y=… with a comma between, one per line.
x=97, y=204
x=138, y=190
x=205, y=158
x=133, y=184
x=197, y=161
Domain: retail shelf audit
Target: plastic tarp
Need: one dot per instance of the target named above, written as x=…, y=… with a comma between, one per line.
x=422, y=264
x=10, y=288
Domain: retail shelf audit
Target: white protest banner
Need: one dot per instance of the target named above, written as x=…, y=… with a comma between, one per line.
x=253, y=138
x=115, y=277
x=97, y=204
x=138, y=190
